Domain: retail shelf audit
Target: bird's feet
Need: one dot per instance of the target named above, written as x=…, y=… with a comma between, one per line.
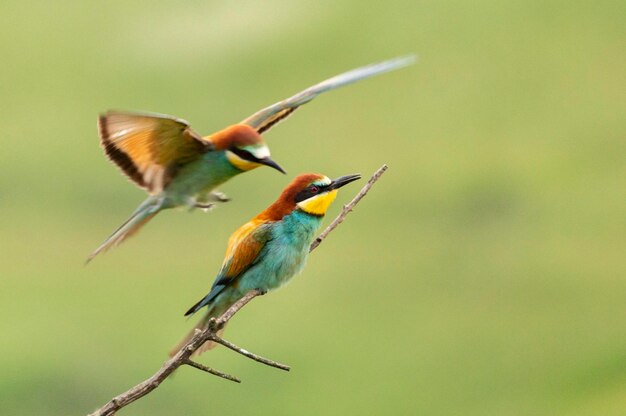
x=218, y=196
x=203, y=206
x=207, y=202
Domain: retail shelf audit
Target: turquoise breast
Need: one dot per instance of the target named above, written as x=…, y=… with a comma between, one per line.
x=285, y=255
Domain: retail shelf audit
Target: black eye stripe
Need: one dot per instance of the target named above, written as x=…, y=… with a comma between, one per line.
x=244, y=154
x=310, y=191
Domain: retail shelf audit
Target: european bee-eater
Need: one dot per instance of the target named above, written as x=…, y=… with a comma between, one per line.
x=272, y=247
x=178, y=167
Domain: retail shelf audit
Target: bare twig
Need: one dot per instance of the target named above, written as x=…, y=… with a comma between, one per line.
x=219, y=323
x=250, y=355
x=211, y=371
x=183, y=356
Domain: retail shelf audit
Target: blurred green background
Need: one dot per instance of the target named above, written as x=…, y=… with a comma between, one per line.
x=485, y=274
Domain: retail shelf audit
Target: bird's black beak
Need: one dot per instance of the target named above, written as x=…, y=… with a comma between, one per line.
x=343, y=180
x=269, y=162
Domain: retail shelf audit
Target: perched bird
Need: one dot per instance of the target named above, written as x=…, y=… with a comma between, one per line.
x=271, y=248
x=178, y=167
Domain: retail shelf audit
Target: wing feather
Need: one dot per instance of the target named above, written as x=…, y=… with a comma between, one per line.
x=263, y=119
x=146, y=147
x=244, y=247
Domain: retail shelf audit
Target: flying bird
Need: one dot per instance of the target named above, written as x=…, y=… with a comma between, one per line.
x=271, y=248
x=178, y=167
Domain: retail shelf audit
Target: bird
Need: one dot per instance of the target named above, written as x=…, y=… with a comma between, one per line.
x=267, y=251
x=178, y=167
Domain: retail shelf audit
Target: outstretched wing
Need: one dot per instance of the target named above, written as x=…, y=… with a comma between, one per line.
x=244, y=248
x=146, y=147
x=264, y=119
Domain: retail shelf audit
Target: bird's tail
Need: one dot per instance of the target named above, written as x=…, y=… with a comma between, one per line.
x=148, y=209
x=202, y=325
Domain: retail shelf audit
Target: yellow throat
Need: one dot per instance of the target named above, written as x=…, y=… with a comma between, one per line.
x=318, y=205
x=240, y=163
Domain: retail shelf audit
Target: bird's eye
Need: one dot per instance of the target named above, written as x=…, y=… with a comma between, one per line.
x=314, y=189
x=248, y=155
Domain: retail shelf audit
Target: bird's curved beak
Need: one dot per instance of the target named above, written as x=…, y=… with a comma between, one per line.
x=269, y=162
x=343, y=180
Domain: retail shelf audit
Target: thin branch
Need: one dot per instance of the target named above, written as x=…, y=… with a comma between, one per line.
x=250, y=355
x=219, y=323
x=212, y=371
x=348, y=207
x=183, y=356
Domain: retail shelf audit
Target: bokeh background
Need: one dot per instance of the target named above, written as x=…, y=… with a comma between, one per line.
x=485, y=274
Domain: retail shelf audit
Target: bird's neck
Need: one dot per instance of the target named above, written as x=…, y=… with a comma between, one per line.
x=216, y=165
x=278, y=210
x=302, y=225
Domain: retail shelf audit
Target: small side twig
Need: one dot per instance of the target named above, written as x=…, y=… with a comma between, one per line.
x=183, y=356
x=250, y=355
x=211, y=371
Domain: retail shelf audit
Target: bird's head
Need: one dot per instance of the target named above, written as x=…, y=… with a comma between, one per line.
x=310, y=192
x=244, y=147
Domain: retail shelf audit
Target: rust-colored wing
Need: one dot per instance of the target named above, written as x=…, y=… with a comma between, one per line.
x=263, y=119
x=244, y=250
x=244, y=247
x=146, y=147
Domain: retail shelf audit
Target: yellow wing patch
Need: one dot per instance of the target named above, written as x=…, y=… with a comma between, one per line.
x=147, y=146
